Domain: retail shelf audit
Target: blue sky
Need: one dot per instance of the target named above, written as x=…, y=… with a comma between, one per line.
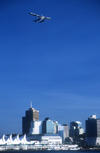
x=55, y=64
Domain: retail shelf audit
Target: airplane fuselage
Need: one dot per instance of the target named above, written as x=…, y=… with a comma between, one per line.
x=40, y=19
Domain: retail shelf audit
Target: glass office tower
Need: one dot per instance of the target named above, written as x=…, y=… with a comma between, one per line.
x=76, y=129
x=92, y=131
x=93, y=127
x=49, y=126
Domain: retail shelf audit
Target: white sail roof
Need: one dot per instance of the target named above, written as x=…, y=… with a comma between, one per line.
x=23, y=139
x=10, y=140
x=2, y=140
x=15, y=139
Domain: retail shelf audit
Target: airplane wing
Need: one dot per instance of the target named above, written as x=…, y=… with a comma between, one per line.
x=47, y=18
x=34, y=14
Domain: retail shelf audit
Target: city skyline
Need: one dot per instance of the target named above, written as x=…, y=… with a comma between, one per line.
x=54, y=64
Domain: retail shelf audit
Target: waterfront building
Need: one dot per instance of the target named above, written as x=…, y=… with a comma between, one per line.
x=76, y=129
x=13, y=140
x=30, y=115
x=51, y=138
x=49, y=126
x=63, y=131
x=47, y=142
x=92, y=131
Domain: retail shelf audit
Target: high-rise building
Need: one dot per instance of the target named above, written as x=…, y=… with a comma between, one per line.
x=49, y=126
x=76, y=129
x=30, y=115
x=92, y=131
x=63, y=131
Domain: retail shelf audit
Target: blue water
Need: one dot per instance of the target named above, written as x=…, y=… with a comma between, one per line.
x=45, y=151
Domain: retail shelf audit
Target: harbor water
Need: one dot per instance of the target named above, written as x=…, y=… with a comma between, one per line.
x=52, y=151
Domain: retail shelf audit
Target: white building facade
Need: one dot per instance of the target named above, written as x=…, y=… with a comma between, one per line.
x=36, y=127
